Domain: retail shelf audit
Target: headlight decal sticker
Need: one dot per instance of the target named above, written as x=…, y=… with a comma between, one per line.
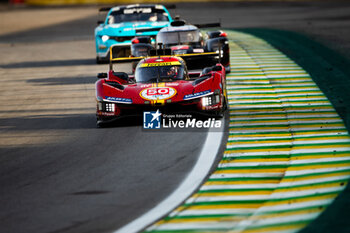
x=197, y=95
x=118, y=100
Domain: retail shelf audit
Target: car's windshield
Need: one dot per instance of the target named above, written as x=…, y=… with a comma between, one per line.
x=137, y=15
x=178, y=37
x=157, y=72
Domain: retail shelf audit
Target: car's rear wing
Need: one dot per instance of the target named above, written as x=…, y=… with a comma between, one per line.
x=113, y=58
x=103, y=10
x=168, y=6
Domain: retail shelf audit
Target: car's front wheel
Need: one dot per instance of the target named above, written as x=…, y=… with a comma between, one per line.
x=99, y=60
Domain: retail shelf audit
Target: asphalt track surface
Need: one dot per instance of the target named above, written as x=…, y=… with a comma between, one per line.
x=61, y=174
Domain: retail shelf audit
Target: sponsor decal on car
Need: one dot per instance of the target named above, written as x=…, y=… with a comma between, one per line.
x=137, y=10
x=196, y=95
x=198, y=50
x=118, y=100
x=146, y=85
x=158, y=93
x=172, y=63
x=172, y=84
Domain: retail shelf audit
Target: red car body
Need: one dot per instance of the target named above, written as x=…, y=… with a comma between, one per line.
x=119, y=95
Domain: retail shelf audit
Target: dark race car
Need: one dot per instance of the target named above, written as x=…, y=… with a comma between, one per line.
x=160, y=83
x=186, y=40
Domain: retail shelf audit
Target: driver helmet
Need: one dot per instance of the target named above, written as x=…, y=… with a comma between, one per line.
x=173, y=71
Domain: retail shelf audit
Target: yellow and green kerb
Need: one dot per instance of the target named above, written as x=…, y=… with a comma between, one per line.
x=287, y=155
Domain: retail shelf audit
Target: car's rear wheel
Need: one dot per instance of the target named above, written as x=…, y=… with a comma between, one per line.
x=98, y=60
x=221, y=112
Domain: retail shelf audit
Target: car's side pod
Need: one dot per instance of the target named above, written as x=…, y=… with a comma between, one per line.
x=206, y=73
x=120, y=77
x=217, y=68
x=206, y=70
x=201, y=79
x=220, y=44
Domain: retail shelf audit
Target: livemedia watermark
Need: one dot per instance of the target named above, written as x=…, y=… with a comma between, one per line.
x=154, y=120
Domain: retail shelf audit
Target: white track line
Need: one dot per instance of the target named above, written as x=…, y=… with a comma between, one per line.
x=187, y=187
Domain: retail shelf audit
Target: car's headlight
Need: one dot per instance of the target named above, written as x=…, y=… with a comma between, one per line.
x=211, y=99
x=110, y=107
x=206, y=101
x=105, y=106
x=105, y=38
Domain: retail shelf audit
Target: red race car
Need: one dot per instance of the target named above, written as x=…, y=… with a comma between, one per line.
x=160, y=83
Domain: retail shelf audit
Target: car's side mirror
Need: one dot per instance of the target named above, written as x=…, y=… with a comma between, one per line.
x=217, y=68
x=100, y=22
x=101, y=75
x=206, y=70
x=121, y=75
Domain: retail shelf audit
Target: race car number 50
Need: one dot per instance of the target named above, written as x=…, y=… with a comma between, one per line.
x=157, y=93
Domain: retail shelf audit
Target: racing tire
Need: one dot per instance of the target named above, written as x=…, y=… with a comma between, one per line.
x=220, y=114
x=101, y=60
x=228, y=69
x=100, y=123
x=98, y=60
x=225, y=106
